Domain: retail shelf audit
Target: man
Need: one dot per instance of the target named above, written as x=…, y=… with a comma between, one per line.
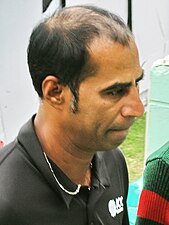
x=64, y=168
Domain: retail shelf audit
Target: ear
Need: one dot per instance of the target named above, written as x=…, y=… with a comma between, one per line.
x=52, y=90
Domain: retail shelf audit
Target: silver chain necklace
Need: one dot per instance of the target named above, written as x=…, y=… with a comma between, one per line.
x=57, y=181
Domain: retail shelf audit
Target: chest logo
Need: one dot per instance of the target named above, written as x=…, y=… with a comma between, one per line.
x=115, y=206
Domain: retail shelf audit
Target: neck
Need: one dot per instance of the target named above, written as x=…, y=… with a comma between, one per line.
x=78, y=171
x=74, y=162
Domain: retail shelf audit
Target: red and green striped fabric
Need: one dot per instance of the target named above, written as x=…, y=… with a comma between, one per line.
x=154, y=200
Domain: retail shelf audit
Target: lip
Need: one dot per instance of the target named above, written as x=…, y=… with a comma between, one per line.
x=121, y=129
x=121, y=132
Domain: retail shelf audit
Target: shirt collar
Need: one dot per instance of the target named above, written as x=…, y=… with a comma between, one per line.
x=100, y=178
x=100, y=174
x=28, y=139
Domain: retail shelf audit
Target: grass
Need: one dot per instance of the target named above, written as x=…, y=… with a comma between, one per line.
x=133, y=148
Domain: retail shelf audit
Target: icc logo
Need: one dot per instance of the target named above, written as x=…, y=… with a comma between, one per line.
x=115, y=206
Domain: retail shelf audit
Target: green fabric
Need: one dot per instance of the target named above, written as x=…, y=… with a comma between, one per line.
x=156, y=178
x=162, y=153
x=145, y=222
x=156, y=175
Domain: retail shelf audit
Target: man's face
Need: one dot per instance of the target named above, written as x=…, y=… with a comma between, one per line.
x=108, y=101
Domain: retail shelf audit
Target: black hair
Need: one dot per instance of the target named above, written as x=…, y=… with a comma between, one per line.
x=60, y=45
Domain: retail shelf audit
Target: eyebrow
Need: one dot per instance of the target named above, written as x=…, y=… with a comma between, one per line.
x=125, y=85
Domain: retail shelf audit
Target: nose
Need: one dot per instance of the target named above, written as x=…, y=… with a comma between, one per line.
x=133, y=106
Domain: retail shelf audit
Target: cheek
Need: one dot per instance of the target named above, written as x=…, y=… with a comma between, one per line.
x=99, y=114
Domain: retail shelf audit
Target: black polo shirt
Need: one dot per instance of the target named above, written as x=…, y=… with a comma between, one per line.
x=29, y=194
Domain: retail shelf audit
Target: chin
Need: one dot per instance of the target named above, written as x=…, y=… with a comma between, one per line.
x=115, y=138
x=117, y=143
x=110, y=146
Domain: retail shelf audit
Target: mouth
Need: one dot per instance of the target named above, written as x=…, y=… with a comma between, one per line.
x=120, y=128
x=120, y=131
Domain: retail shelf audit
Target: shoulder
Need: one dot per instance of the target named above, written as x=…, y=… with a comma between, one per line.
x=156, y=174
x=161, y=154
x=15, y=165
x=6, y=151
x=9, y=165
x=25, y=136
x=157, y=167
x=154, y=197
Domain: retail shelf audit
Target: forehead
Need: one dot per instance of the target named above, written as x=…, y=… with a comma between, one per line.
x=114, y=62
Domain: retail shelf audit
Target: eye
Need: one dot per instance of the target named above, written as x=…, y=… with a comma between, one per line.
x=118, y=91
